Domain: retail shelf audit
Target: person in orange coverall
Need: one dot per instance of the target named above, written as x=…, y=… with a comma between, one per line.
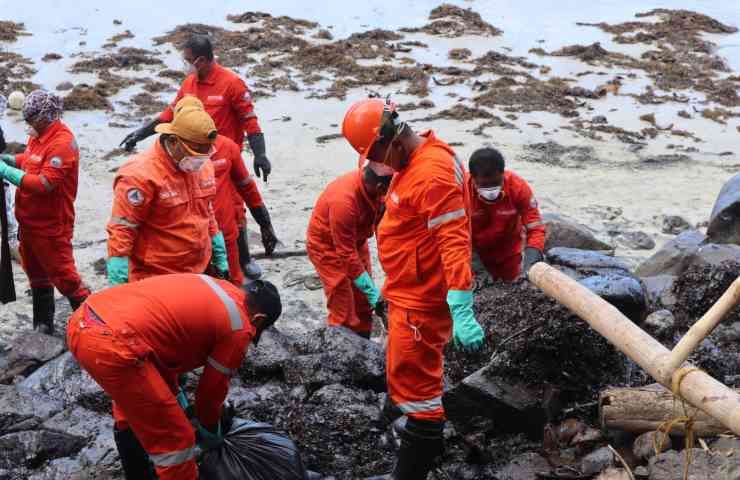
x=232, y=178
x=229, y=102
x=46, y=177
x=425, y=250
x=163, y=219
x=342, y=221
x=503, y=210
x=134, y=340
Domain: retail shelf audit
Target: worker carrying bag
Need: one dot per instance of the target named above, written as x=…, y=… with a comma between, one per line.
x=253, y=451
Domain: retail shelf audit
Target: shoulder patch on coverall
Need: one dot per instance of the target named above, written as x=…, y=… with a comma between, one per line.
x=135, y=197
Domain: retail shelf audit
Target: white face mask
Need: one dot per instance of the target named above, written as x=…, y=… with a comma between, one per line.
x=188, y=67
x=193, y=163
x=31, y=131
x=489, y=194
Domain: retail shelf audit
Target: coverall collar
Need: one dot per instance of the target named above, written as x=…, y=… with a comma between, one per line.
x=211, y=78
x=50, y=131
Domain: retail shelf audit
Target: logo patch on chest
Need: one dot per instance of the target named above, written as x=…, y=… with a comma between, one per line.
x=215, y=98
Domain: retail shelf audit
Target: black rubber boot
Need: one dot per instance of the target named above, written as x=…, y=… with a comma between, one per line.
x=244, y=257
x=422, y=443
x=134, y=459
x=43, y=309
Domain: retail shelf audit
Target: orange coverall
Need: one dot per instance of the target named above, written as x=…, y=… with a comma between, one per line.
x=425, y=249
x=499, y=226
x=44, y=207
x=229, y=103
x=162, y=218
x=134, y=340
x=341, y=223
x=232, y=178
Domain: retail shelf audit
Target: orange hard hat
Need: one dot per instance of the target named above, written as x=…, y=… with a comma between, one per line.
x=365, y=123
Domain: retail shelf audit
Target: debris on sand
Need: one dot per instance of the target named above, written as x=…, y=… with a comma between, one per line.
x=453, y=21
x=15, y=69
x=459, y=112
x=51, y=57
x=495, y=122
x=529, y=96
x=175, y=75
x=125, y=58
x=719, y=115
x=115, y=39
x=110, y=83
x=552, y=153
x=459, y=54
x=10, y=31
x=495, y=62
x=146, y=104
x=422, y=105
x=296, y=26
x=323, y=139
x=153, y=86
x=323, y=34
x=85, y=97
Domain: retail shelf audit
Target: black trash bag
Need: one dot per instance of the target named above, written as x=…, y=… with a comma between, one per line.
x=253, y=451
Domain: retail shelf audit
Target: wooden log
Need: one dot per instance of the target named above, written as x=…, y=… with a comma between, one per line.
x=644, y=409
x=697, y=387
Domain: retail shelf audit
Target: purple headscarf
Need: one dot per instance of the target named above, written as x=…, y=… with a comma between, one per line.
x=42, y=105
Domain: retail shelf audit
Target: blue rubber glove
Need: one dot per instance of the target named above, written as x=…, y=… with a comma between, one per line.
x=219, y=259
x=11, y=174
x=117, y=268
x=9, y=159
x=466, y=332
x=206, y=439
x=366, y=285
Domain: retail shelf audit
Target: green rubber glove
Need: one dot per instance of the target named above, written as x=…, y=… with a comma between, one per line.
x=9, y=159
x=366, y=285
x=206, y=439
x=117, y=268
x=466, y=332
x=219, y=259
x=182, y=400
x=11, y=174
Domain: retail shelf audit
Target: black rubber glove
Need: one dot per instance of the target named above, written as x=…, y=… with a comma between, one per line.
x=381, y=310
x=269, y=239
x=136, y=136
x=262, y=166
x=531, y=256
x=3, y=145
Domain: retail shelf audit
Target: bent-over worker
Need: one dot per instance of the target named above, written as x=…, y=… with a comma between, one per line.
x=503, y=211
x=135, y=339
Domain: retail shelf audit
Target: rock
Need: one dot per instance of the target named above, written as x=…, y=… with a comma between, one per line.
x=597, y=461
x=713, y=255
x=614, y=474
x=674, y=224
x=24, y=409
x=63, y=379
x=726, y=445
x=659, y=290
x=589, y=436
x=641, y=472
x=32, y=448
x=660, y=323
x=267, y=358
x=624, y=292
x=637, y=240
x=673, y=258
x=704, y=465
x=100, y=451
x=564, y=232
x=644, y=446
x=31, y=350
x=724, y=222
x=524, y=467
x=514, y=406
x=248, y=400
x=337, y=355
x=65, y=86
x=585, y=260
x=729, y=333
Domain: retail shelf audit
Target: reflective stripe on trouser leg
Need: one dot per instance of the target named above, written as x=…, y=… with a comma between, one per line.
x=144, y=398
x=415, y=360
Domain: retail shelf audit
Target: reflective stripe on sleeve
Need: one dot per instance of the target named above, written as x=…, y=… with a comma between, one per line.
x=532, y=225
x=171, y=459
x=123, y=221
x=46, y=183
x=421, y=406
x=231, y=308
x=446, y=217
x=215, y=364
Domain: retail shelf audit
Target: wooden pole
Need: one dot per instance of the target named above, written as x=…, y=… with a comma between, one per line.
x=702, y=328
x=697, y=388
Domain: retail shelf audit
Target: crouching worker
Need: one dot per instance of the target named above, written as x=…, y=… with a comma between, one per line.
x=342, y=221
x=503, y=212
x=134, y=340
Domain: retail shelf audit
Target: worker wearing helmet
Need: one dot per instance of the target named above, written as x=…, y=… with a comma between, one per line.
x=46, y=177
x=163, y=219
x=425, y=249
x=342, y=221
x=503, y=211
x=134, y=340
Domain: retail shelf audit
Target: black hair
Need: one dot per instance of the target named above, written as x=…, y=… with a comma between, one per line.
x=200, y=45
x=486, y=162
x=265, y=298
x=373, y=178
